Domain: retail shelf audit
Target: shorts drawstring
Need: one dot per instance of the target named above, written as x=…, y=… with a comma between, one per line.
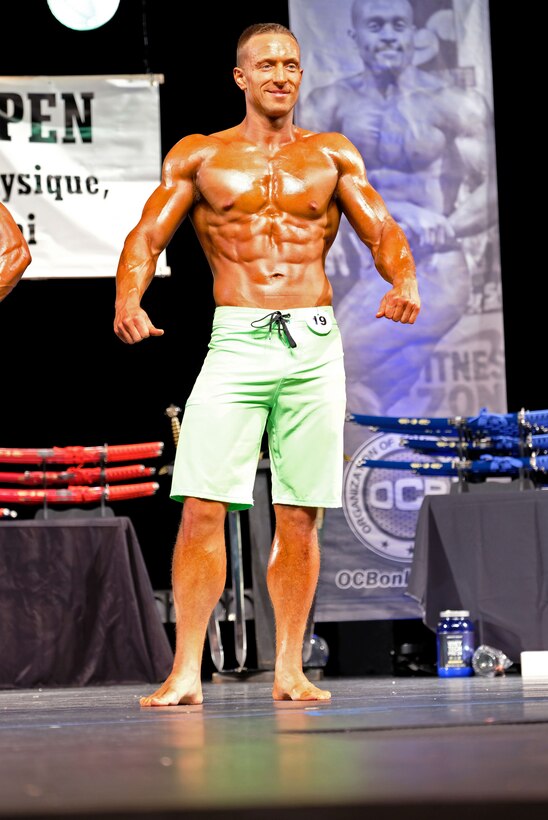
x=276, y=318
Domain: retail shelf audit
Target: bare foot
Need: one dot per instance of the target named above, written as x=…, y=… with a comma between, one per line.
x=175, y=690
x=297, y=687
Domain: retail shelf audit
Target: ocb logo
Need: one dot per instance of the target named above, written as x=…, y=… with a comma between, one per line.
x=381, y=505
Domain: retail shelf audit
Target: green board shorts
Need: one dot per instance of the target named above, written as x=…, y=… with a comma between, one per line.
x=252, y=379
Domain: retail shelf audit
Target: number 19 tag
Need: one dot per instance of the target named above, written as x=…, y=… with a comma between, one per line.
x=319, y=322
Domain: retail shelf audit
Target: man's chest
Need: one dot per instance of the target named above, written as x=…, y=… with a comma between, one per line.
x=399, y=132
x=248, y=180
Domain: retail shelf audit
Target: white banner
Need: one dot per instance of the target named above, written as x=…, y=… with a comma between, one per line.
x=409, y=82
x=79, y=156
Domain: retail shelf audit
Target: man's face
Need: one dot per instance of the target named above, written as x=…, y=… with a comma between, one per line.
x=270, y=73
x=383, y=31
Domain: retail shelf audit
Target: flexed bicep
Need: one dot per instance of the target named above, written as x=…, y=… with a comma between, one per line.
x=163, y=212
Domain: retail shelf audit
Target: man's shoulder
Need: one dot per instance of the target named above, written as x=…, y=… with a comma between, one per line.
x=330, y=97
x=332, y=145
x=465, y=105
x=352, y=82
x=226, y=135
x=193, y=141
x=192, y=149
x=214, y=141
x=334, y=140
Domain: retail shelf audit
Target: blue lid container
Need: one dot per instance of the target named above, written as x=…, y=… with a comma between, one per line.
x=455, y=639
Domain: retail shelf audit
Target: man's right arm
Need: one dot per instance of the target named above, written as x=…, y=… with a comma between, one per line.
x=162, y=214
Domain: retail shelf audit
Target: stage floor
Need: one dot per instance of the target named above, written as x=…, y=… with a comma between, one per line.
x=381, y=748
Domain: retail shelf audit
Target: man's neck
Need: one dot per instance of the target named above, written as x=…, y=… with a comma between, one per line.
x=389, y=80
x=269, y=134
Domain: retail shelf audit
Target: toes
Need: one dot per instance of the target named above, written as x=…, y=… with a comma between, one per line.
x=157, y=700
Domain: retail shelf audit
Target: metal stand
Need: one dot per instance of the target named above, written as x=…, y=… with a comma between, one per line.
x=236, y=563
x=215, y=640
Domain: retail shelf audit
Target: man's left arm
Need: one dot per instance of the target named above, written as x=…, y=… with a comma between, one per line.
x=368, y=215
x=15, y=255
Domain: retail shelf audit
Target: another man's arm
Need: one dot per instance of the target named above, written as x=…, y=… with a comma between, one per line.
x=477, y=211
x=162, y=214
x=15, y=255
x=368, y=215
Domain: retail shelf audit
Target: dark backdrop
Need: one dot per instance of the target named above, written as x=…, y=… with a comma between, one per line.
x=66, y=379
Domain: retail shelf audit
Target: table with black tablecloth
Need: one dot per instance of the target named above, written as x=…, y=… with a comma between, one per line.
x=486, y=552
x=77, y=605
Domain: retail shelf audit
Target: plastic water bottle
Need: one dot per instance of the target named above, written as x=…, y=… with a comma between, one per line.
x=490, y=662
x=455, y=643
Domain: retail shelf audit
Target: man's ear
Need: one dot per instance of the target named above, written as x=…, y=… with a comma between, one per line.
x=239, y=78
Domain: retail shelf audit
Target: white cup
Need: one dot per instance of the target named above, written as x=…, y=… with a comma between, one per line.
x=534, y=664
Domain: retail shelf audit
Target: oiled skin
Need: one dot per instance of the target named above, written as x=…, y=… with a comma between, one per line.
x=265, y=198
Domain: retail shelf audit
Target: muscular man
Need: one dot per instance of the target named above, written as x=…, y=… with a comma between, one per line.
x=265, y=199
x=426, y=145
x=14, y=253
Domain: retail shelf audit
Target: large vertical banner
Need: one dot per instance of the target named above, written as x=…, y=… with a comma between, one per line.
x=79, y=156
x=409, y=82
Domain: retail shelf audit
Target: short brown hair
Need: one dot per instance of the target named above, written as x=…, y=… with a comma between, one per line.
x=260, y=28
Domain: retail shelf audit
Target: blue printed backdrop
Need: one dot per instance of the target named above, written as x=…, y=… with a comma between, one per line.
x=409, y=82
